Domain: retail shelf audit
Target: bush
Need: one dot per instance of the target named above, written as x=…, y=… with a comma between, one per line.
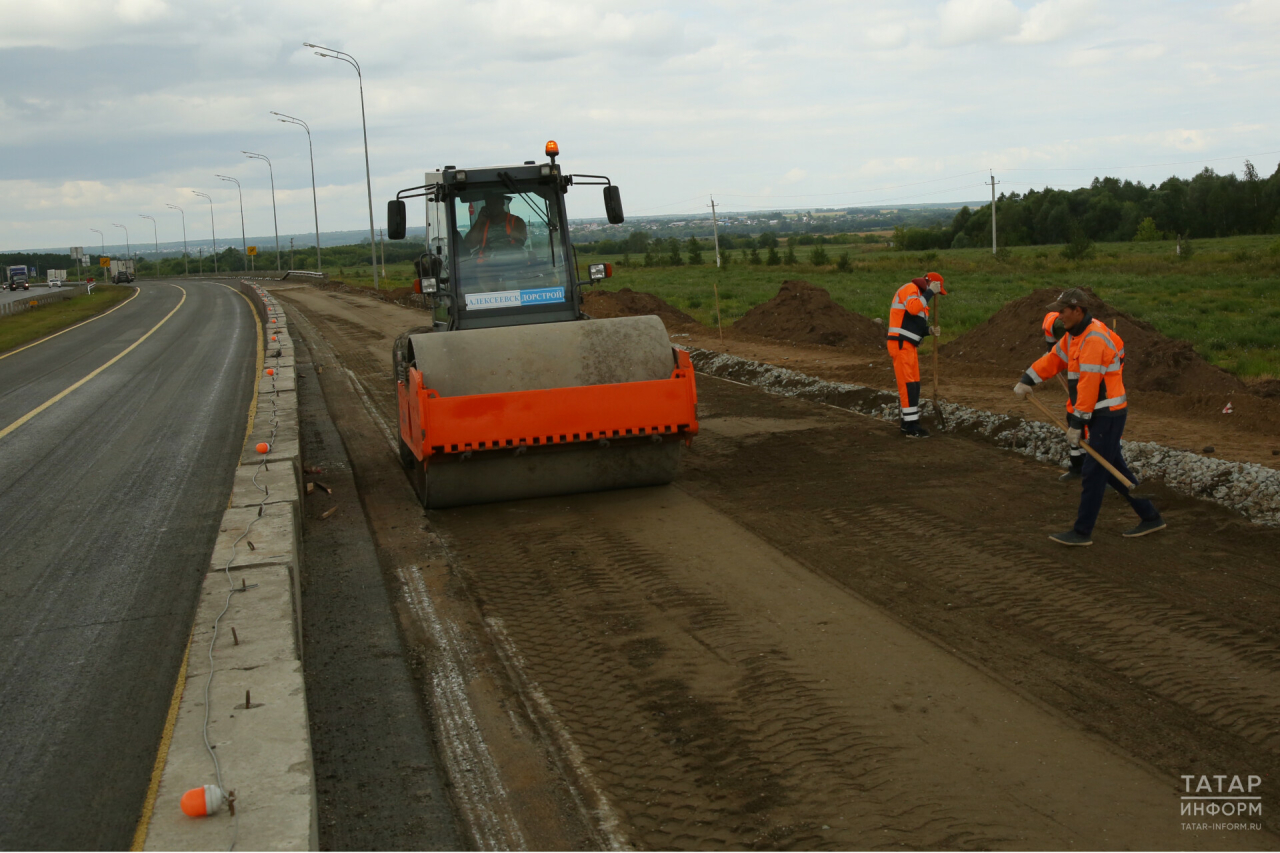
x=1003, y=255
x=754, y=257
x=767, y=240
x=962, y=241
x=1274, y=251
x=1080, y=248
x=695, y=251
x=773, y=259
x=818, y=257
x=1147, y=232
x=790, y=257
x=842, y=262
x=1185, y=249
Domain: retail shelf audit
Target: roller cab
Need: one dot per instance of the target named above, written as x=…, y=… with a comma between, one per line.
x=512, y=392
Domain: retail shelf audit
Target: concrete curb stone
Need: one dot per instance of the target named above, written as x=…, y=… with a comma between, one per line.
x=265, y=749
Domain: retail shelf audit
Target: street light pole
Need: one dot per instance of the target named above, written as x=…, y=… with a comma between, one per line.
x=274, y=220
x=351, y=60
x=128, y=247
x=213, y=229
x=186, y=269
x=103, y=239
x=315, y=207
x=155, y=231
x=244, y=244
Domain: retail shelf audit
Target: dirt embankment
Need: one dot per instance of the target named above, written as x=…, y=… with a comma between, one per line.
x=402, y=296
x=603, y=304
x=1153, y=362
x=805, y=314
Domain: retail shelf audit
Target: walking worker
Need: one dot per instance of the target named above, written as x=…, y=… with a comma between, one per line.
x=1093, y=359
x=908, y=324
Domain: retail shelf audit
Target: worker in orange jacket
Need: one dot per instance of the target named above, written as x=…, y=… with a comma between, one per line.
x=908, y=324
x=1053, y=332
x=1092, y=357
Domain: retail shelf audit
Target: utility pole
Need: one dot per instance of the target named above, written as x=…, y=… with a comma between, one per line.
x=993, y=214
x=382, y=246
x=156, y=232
x=715, y=230
x=200, y=256
x=290, y=253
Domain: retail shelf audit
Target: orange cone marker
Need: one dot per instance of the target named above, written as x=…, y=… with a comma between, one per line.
x=271, y=371
x=273, y=337
x=204, y=801
x=263, y=447
x=273, y=319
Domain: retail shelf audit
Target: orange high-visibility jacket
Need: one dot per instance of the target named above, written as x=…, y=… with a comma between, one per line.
x=1094, y=363
x=909, y=313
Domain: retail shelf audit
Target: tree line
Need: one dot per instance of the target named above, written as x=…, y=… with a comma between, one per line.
x=1109, y=210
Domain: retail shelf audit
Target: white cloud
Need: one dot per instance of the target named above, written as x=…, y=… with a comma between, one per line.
x=1052, y=20
x=963, y=21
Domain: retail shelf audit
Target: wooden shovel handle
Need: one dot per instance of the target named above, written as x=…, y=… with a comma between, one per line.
x=1111, y=469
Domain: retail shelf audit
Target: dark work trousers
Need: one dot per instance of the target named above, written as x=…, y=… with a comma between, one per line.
x=1104, y=437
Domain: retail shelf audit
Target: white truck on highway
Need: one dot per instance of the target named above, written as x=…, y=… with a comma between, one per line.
x=122, y=271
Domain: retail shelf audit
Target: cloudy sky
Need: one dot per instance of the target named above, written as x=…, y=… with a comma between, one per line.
x=112, y=109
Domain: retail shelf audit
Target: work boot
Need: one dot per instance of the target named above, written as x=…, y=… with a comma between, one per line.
x=1074, y=472
x=912, y=429
x=1144, y=528
x=1071, y=538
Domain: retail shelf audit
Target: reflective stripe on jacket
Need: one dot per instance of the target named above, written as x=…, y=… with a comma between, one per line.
x=909, y=313
x=1091, y=356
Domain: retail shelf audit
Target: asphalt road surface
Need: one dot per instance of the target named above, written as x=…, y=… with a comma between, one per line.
x=110, y=499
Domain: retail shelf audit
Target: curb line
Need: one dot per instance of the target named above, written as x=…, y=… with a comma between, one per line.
x=257, y=707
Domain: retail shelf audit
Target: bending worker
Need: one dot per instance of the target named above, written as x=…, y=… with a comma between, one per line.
x=908, y=324
x=1053, y=331
x=1090, y=352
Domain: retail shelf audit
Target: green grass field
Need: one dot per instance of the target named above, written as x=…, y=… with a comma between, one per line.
x=1224, y=299
x=19, y=329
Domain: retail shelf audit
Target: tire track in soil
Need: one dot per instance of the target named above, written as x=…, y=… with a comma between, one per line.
x=1177, y=654
x=700, y=731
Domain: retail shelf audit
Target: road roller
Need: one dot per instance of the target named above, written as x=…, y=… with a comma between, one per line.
x=512, y=391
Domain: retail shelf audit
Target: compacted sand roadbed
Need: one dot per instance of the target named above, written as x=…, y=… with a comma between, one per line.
x=824, y=636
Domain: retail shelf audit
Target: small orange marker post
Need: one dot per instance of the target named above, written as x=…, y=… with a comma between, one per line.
x=263, y=447
x=203, y=801
x=273, y=319
x=271, y=371
x=273, y=337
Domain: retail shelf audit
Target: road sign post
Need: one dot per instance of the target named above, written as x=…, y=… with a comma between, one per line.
x=252, y=252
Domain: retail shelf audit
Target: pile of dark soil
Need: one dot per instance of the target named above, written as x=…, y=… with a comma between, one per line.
x=1012, y=339
x=804, y=314
x=603, y=304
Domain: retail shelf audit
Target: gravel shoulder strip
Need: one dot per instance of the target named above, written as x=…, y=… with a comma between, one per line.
x=1250, y=489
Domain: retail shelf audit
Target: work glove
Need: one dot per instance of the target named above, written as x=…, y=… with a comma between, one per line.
x=936, y=331
x=1022, y=389
x=936, y=287
x=1073, y=436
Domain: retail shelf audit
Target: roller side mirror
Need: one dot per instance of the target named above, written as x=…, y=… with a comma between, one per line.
x=395, y=219
x=613, y=205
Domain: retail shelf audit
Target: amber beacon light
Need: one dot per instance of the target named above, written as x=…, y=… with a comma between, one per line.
x=553, y=150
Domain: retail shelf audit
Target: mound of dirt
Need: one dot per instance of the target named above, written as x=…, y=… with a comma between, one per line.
x=603, y=304
x=804, y=314
x=1012, y=339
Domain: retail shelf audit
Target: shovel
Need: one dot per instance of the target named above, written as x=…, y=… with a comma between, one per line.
x=1111, y=469
x=937, y=321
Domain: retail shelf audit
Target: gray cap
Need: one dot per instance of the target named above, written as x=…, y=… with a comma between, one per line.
x=1072, y=298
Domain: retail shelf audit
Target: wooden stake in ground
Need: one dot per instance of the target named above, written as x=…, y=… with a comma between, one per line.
x=1111, y=469
x=937, y=304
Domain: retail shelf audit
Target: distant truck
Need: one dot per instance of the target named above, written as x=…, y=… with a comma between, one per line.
x=17, y=277
x=122, y=271
x=55, y=278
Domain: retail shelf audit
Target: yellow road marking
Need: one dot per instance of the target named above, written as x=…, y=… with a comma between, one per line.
x=170, y=722
x=162, y=756
x=55, y=398
x=136, y=291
